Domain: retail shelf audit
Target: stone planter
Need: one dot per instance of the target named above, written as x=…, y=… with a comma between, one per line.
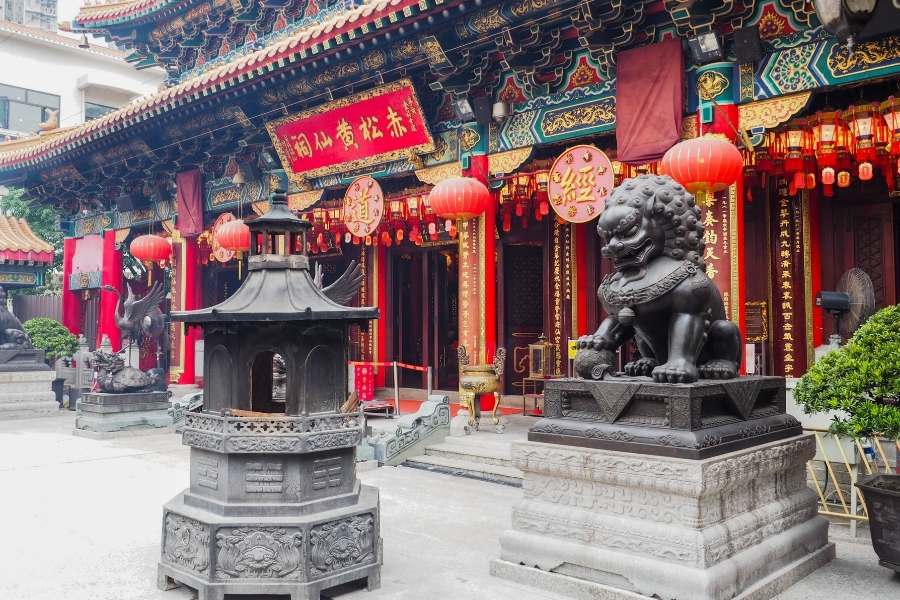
x=882, y=495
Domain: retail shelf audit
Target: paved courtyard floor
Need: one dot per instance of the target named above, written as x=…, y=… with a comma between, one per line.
x=82, y=522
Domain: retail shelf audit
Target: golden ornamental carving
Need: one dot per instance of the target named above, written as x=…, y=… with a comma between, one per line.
x=842, y=59
x=773, y=112
x=486, y=20
x=304, y=200
x=433, y=50
x=405, y=49
x=689, y=127
x=374, y=60
x=468, y=139
x=710, y=84
x=509, y=161
x=434, y=175
x=525, y=7
x=580, y=116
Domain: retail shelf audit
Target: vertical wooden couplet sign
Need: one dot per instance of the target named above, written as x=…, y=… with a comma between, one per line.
x=788, y=290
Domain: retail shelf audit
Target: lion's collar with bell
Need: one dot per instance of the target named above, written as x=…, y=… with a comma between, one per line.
x=625, y=299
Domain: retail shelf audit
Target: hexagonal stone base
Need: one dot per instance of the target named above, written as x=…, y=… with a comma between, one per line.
x=288, y=555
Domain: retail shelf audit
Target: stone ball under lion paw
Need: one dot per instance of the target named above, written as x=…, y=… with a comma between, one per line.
x=590, y=363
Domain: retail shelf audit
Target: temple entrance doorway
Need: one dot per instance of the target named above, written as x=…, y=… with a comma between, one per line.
x=523, y=307
x=425, y=287
x=860, y=228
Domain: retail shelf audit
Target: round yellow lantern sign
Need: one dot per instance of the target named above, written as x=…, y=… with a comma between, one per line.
x=581, y=180
x=363, y=206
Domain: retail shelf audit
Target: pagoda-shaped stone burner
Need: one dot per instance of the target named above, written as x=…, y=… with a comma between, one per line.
x=274, y=505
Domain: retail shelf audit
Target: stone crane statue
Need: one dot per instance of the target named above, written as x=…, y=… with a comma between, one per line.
x=344, y=287
x=12, y=333
x=659, y=294
x=141, y=316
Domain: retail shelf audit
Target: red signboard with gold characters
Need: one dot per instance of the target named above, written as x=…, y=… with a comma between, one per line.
x=363, y=206
x=580, y=181
x=364, y=129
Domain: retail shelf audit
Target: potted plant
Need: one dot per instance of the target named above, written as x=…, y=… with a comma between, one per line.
x=861, y=382
x=56, y=341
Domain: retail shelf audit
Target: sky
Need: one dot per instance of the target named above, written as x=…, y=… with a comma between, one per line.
x=67, y=9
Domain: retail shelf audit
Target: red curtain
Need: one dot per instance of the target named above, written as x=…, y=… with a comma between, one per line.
x=189, y=185
x=649, y=101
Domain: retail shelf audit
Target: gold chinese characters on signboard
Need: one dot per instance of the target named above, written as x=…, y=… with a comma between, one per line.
x=363, y=206
x=581, y=180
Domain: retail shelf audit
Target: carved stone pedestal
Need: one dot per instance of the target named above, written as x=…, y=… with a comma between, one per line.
x=274, y=507
x=107, y=414
x=26, y=385
x=597, y=523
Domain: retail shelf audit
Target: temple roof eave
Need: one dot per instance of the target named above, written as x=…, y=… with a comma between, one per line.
x=309, y=41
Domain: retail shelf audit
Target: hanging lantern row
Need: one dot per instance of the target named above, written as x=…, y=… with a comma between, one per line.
x=524, y=196
x=407, y=218
x=832, y=147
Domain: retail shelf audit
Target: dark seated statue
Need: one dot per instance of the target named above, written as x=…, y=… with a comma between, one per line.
x=12, y=333
x=113, y=377
x=659, y=294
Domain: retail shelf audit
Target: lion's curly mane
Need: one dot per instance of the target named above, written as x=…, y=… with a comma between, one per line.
x=673, y=207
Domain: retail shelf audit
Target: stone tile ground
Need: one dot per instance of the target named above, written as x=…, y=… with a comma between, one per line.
x=82, y=522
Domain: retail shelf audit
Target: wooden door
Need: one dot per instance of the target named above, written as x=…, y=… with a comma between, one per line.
x=523, y=298
x=857, y=234
x=444, y=317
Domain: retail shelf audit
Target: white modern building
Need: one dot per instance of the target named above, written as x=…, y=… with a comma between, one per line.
x=44, y=72
x=31, y=13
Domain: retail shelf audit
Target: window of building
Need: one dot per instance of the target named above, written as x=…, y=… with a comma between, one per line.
x=24, y=110
x=92, y=110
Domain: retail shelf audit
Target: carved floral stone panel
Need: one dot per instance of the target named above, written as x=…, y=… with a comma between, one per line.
x=342, y=544
x=186, y=543
x=259, y=553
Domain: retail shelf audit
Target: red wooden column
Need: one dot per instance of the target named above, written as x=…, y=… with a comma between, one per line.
x=186, y=283
x=111, y=276
x=71, y=301
x=478, y=264
x=190, y=281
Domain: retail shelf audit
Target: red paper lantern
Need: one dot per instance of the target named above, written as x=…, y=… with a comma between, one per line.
x=234, y=236
x=150, y=248
x=460, y=198
x=843, y=179
x=865, y=171
x=828, y=176
x=703, y=165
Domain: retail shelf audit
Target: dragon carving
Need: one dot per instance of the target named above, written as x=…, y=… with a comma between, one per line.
x=136, y=317
x=659, y=293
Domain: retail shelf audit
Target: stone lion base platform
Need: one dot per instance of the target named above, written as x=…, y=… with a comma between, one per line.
x=617, y=525
x=125, y=414
x=27, y=394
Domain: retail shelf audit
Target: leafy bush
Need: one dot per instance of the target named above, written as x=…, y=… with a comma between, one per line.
x=52, y=337
x=861, y=379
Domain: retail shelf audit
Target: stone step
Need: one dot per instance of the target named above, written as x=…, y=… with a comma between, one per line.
x=466, y=468
x=486, y=455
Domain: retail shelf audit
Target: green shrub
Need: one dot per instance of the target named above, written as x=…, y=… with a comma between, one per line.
x=52, y=337
x=861, y=380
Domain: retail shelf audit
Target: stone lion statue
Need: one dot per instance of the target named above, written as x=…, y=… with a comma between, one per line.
x=659, y=293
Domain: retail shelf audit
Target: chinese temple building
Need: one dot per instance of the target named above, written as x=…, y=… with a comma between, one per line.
x=24, y=257
x=368, y=104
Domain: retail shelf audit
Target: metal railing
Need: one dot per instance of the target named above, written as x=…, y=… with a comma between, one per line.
x=838, y=462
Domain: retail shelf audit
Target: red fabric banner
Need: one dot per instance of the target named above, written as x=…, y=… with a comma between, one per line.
x=111, y=276
x=353, y=132
x=189, y=185
x=649, y=101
